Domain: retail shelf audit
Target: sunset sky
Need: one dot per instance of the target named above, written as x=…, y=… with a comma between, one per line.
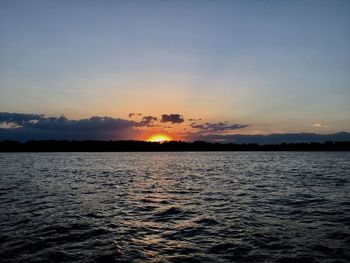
x=182, y=68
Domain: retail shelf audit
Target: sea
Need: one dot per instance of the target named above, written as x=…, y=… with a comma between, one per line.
x=175, y=207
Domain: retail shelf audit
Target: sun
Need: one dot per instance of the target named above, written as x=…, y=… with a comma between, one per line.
x=159, y=138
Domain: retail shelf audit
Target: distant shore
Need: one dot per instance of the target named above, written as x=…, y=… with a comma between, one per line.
x=172, y=146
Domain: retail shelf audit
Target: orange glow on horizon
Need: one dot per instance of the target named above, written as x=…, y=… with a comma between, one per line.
x=159, y=138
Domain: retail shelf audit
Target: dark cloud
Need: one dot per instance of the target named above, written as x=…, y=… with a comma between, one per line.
x=134, y=114
x=34, y=126
x=93, y=123
x=19, y=118
x=148, y=121
x=172, y=118
x=218, y=127
x=194, y=120
x=271, y=138
x=23, y=127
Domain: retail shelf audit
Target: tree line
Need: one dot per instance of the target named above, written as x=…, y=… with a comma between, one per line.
x=173, y=146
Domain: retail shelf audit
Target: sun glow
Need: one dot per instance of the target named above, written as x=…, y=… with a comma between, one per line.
x=159, y=138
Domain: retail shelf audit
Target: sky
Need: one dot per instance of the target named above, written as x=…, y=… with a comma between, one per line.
x=220, y=67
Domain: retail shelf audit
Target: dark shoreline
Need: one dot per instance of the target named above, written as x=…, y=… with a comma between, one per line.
x=173, y=146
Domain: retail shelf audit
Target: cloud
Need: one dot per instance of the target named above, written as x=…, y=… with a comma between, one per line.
x=319, y=125
x=134, y=114
x=34, y=126
x=148, y=121
x=271, y=138
x=217, y=131
x=172, y=118
x=23, y=127
x=19, y=118
x=218, y=126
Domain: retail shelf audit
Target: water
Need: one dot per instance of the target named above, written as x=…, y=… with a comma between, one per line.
x=175, y=207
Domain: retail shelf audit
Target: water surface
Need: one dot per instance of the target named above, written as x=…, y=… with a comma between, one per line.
x=175, y=207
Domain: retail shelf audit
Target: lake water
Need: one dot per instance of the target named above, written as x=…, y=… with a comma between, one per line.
x=175, y=207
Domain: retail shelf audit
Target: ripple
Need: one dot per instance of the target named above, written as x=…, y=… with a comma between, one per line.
x=169, y=211
x=206, y=221
x=174, y=207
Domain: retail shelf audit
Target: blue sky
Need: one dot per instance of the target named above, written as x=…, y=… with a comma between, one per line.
x=279, y=66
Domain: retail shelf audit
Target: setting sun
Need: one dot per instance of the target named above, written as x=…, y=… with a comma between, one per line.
x=159, y=138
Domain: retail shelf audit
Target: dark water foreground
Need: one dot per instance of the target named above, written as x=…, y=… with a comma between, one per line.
x=175, y=207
